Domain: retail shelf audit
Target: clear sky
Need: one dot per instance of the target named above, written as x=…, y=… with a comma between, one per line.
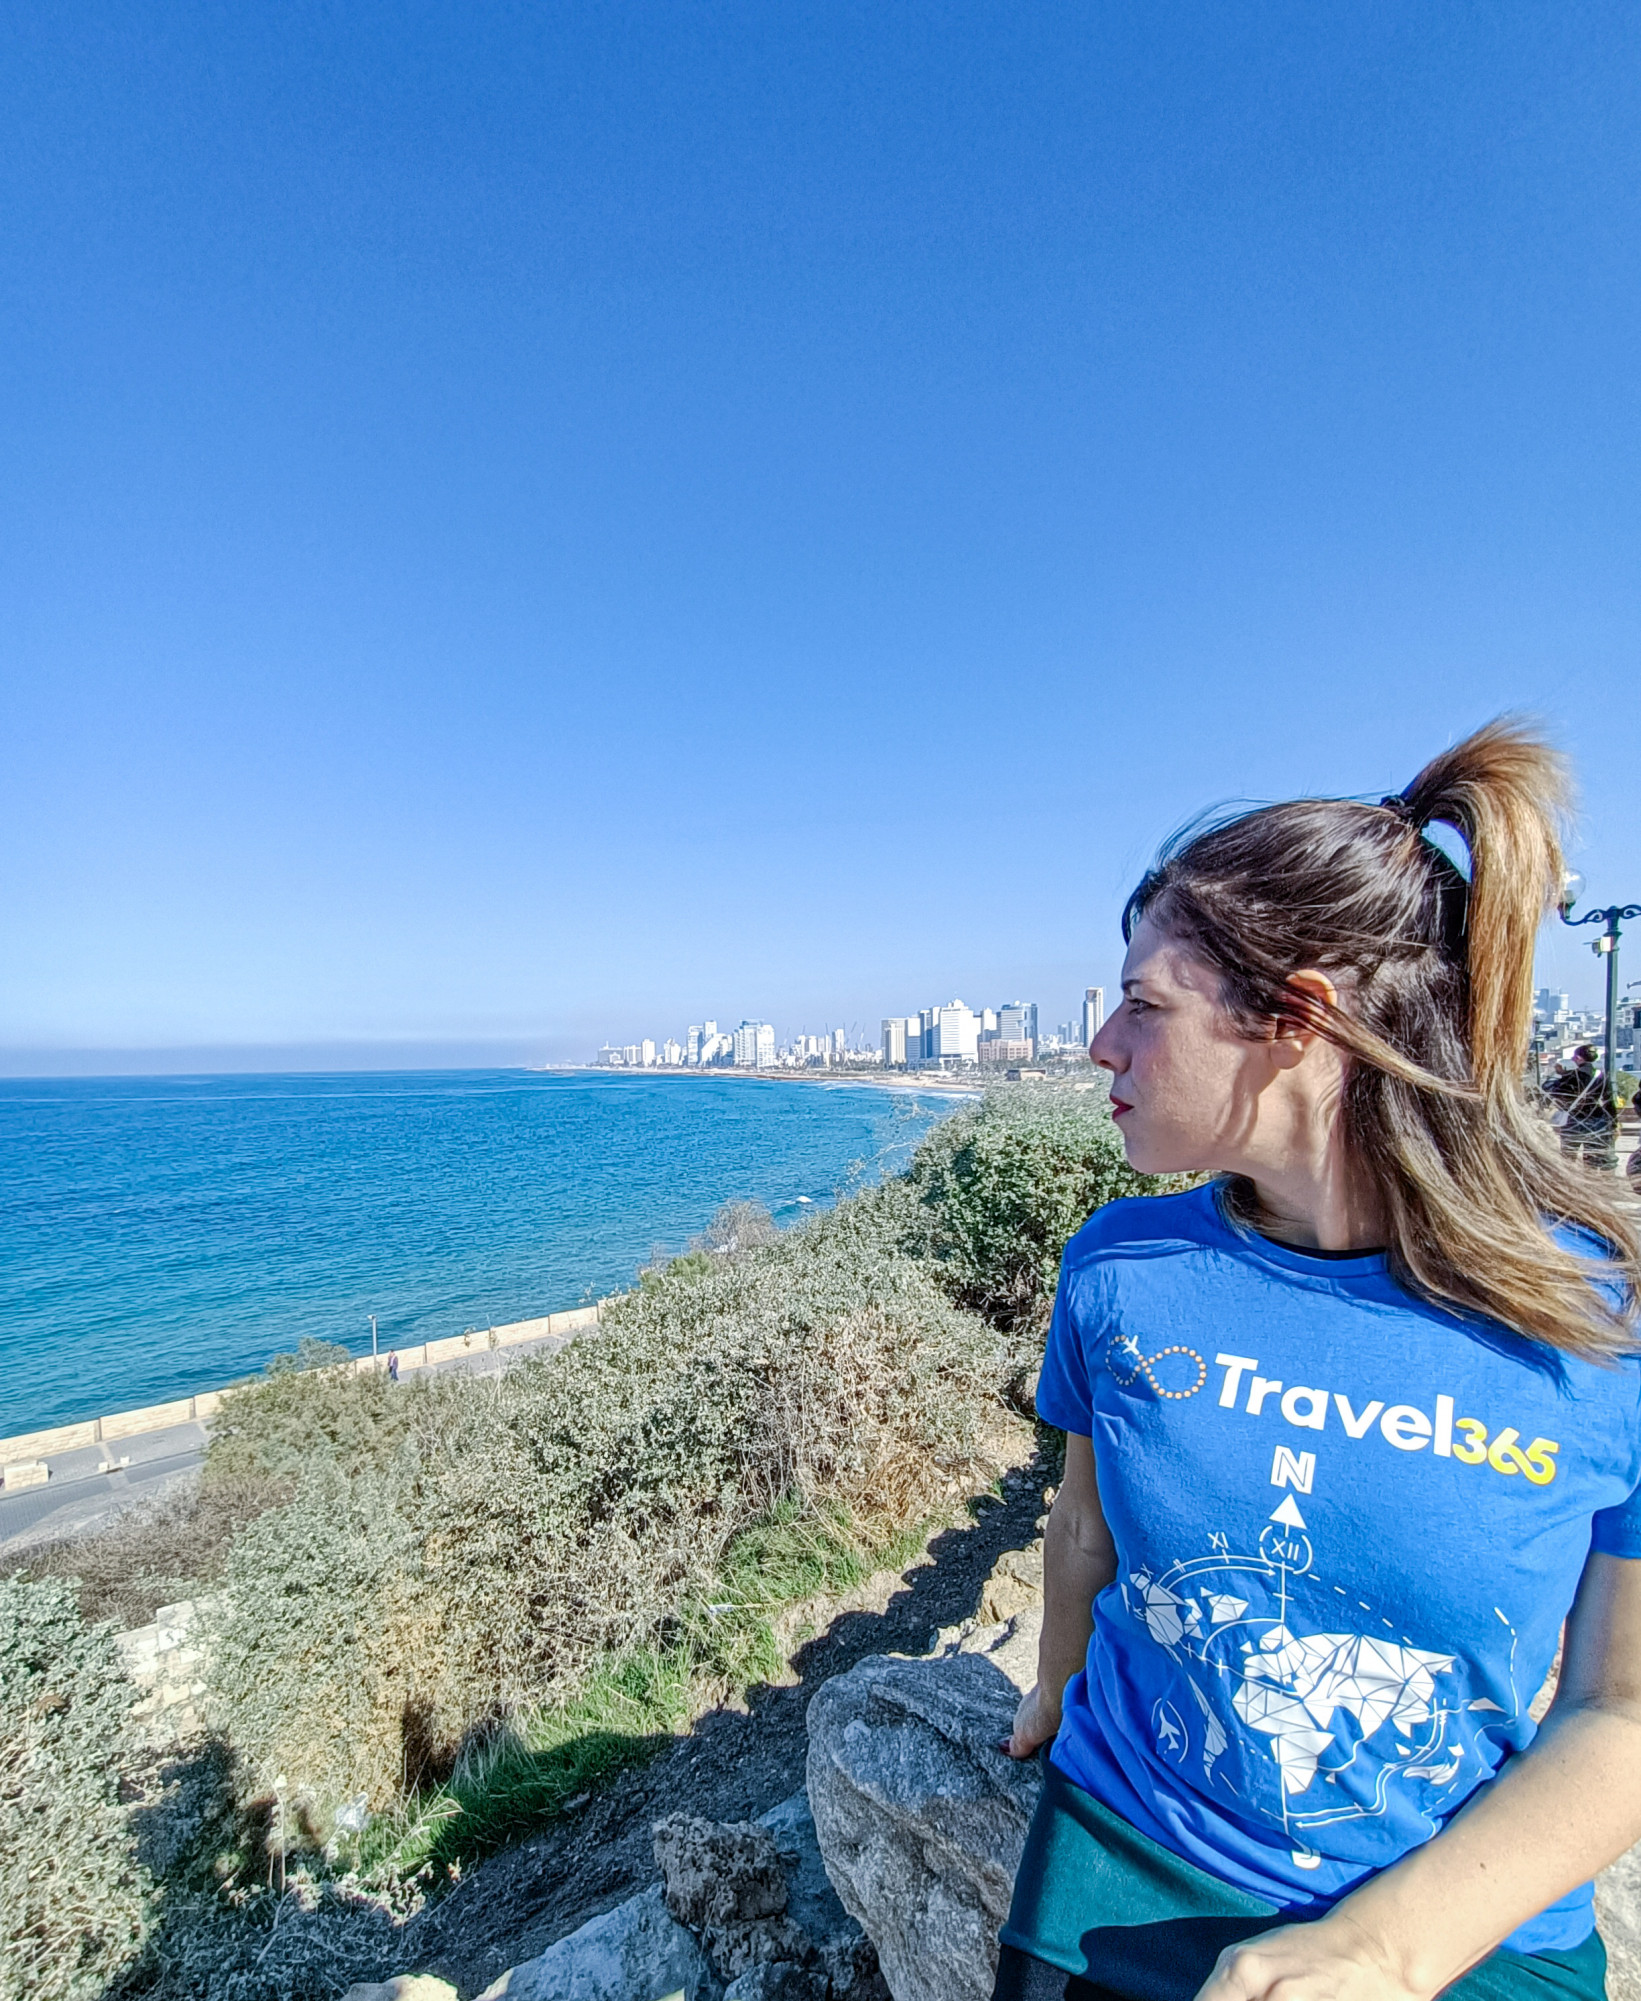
x=523, y=525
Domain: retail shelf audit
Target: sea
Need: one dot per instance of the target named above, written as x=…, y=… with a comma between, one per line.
x=161, y=1236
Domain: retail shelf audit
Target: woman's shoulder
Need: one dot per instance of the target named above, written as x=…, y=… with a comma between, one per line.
x=1144, y=1225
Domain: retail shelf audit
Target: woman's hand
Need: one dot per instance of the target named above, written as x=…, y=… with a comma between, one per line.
x=1035, y=1721
x=1330, y=1960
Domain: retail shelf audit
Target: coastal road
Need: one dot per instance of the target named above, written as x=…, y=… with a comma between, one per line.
x=88, y=1488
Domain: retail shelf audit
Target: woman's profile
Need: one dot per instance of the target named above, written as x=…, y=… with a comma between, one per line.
x=1353, y=1429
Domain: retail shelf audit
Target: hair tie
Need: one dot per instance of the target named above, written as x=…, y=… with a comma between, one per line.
x=1397, y=803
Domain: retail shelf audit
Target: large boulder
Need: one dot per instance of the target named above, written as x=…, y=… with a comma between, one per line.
x=637, y=1952
x=921, y=1817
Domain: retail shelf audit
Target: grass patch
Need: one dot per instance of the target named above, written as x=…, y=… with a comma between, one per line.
x=633, y=1707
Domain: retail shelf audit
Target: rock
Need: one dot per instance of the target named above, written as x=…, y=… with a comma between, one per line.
x=1618, y=1915
x=724, y=1880
x=758, y=1895
x=403, y=1987
x=920, y=1817
x=637, y=1952
x=166, y=1664
x=1014, y=1586
x=841, y=1950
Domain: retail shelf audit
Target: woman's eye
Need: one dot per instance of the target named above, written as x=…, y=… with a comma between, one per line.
x=1138, y=1006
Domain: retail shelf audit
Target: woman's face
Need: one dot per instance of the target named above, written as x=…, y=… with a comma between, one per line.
x=1186, y=1086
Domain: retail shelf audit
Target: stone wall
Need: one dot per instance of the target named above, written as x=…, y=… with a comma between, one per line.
x=166, y=1662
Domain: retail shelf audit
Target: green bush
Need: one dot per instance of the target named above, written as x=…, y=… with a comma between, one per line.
x=491, y=1546
x=289, y=1422
x=1001, y=1188
x=74, y=1901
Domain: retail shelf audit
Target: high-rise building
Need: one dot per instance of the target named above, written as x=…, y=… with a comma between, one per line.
x=692, y=1043
x=956, y=1031
x=840, y=1045
x=1093, y=1013
x=1017, y=1022
x=894, y=1040
x=754, y=1046
x=646, y=1053
x=671, y=1053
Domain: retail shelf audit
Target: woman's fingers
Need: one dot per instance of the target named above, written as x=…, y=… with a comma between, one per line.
x=1033, y=1726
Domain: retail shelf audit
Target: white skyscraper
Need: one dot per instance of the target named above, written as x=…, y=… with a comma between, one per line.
x=894, y=1040
x=1093, y=1013
x=956, y=1034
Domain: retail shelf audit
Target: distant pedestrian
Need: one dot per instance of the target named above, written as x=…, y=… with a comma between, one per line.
x=393, y=1365
x=1589, y=1127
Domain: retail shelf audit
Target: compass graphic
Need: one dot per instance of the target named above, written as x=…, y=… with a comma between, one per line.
x=1332, y=1718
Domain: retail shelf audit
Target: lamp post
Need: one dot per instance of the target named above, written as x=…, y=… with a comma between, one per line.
x=1606, y=946
x=372, y=1318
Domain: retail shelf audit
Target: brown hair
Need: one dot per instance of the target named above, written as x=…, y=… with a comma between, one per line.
x=1435, y=979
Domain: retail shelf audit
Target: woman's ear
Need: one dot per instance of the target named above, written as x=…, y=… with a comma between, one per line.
x=1295, y=1032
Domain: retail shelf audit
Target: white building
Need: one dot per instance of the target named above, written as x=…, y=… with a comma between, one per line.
x=894, y=1040
x=1093, y=1013
x=672, y=1053
x=754, y=1046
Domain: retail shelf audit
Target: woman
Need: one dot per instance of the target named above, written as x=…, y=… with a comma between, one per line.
x=1351, y=1430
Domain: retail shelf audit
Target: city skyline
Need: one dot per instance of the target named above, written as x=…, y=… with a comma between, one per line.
x=947, y=1035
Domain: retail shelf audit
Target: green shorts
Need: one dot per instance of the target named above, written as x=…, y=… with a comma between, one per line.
x=1102, y=1913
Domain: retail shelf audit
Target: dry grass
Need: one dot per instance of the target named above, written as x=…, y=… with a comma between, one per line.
x=154, y=1553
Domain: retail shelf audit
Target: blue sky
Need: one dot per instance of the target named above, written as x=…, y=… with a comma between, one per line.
x=524, y=525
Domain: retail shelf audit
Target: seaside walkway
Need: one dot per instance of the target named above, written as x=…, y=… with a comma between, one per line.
x=73, y=1479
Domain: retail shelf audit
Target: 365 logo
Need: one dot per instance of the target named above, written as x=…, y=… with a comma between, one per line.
x=1506, y=1454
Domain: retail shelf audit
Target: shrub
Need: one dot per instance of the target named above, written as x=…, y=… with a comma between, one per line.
x=156, y=1552
x=568, y=1511
x=73, y=1899
x=289, y=1422
x=1003, y=1185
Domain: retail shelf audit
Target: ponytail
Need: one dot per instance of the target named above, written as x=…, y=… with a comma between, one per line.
x=1434, y=968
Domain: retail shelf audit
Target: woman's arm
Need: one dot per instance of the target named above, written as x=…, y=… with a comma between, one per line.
x=1570, y=1804
x=1079, y=1561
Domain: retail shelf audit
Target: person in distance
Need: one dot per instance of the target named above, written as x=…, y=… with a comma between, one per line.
x=1353, y=1427
x=1589, y=1108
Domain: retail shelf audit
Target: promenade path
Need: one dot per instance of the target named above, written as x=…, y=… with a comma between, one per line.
x=90, y=1484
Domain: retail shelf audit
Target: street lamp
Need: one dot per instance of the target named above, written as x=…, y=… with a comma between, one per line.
x=1606, y=946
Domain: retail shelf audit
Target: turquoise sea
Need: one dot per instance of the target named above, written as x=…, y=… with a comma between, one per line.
x=161, y=1236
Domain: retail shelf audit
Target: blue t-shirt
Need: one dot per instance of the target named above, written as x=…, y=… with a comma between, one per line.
x=1348, y=1527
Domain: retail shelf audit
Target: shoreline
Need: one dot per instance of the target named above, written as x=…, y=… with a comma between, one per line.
x=948, y=1086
